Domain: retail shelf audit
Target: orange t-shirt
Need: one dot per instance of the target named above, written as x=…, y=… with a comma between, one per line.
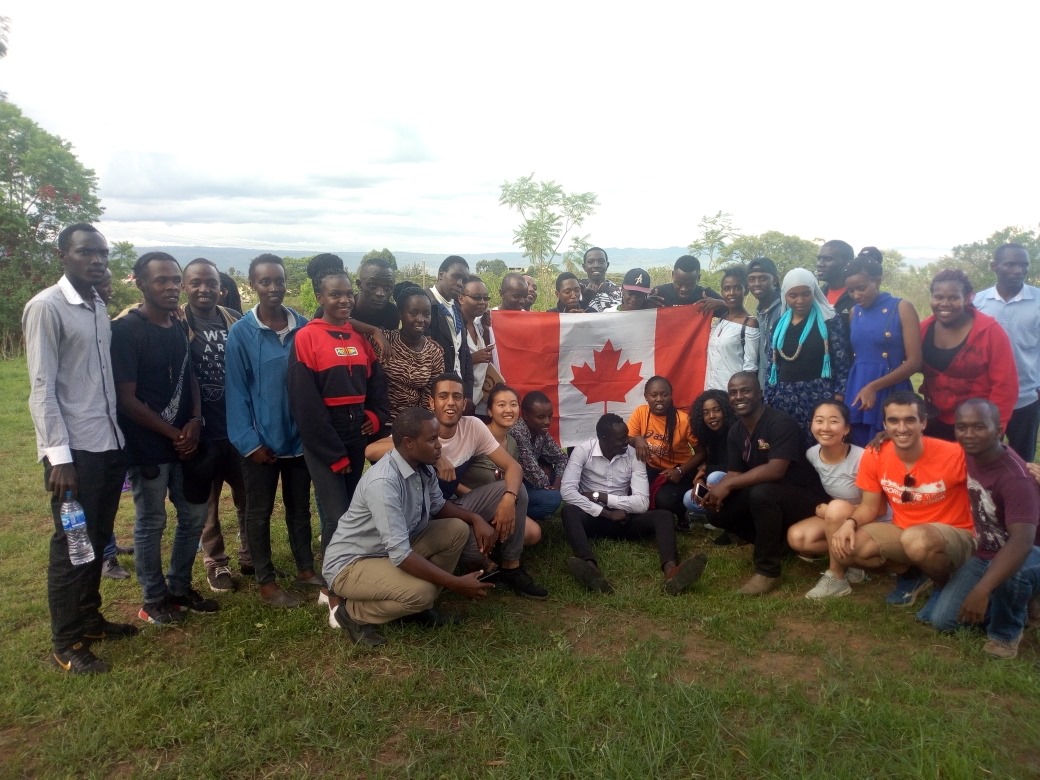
x=940, y=490
x=833, y=295
x=651, y=427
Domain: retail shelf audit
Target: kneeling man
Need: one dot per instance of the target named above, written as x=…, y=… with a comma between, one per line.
x=397, y=545
x=995, y=586
x=925, y=482
x=606, y=494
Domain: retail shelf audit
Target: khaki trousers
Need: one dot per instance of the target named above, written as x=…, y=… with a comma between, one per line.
x=376, y=591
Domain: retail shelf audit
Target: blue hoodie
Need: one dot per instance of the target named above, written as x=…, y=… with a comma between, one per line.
x=256, y=388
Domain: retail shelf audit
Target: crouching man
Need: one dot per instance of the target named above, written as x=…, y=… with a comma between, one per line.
x=397, y=545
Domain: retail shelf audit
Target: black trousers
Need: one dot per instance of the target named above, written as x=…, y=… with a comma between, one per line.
x=261, y=480
x=670, y=495
x=762, y=514
x=658, y=523
x=1022, y=430
x=73, y=592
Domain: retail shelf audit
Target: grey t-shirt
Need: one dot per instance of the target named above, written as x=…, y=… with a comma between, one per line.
x=839, y=479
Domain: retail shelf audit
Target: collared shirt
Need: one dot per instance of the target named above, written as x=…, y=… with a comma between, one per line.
x=393, y=503
x=1020, y=319
x=623, y=479
x=456, y=334
x=72, y=397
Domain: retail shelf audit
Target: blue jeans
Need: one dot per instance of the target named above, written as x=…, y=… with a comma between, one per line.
x=150, y=505
x=713, y=478
x=541, y=503
x=1008, y=603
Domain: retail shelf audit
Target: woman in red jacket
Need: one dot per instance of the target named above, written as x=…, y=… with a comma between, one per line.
x=337, y=395
x=966, y=355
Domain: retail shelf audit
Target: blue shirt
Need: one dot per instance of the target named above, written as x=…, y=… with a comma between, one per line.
x=393, y=504
x=1020, y=319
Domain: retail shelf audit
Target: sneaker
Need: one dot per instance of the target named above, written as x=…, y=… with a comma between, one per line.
x=323, y=598
x=723, y=539
x=192, y=601
x=520, y=582
x=589, y=575
x=78, y=660
x=111, y=569
x=106, y=630
x=160, y=613
x=121, y=550
x=908, y=587
x=855, y=576
x=431, y=618
x=683, y=524
x=220, y=580
x=829, y=586
x=364, y=634
x=811, y=558
x=1005, y=651
x=685, y=574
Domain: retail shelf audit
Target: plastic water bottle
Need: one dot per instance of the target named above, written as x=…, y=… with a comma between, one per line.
x=75, y=524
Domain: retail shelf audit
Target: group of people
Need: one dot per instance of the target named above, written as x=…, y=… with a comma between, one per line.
x=183, y=399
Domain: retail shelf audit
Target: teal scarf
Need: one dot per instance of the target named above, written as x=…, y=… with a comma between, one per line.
x=814, y=319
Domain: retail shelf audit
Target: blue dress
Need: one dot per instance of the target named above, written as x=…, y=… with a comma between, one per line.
x=876, y=334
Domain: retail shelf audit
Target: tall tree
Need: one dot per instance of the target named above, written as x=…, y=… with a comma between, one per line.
x=549, y=214
x=715, y=230
x=495, y=266
x=974, y=258
x=385, y=253
x=786, y=251
x=43, y=188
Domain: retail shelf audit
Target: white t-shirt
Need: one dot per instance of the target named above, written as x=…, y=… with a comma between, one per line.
x=839, y=479
x=726, y=356
x=471, y=438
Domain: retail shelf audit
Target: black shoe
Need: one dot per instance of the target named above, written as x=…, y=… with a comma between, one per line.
x=78, y=660
x=194, y=602
x=723, y=540
x=685, y=574
x=247, y=571
x=431, y=618
x=106, y=630
x=120, y=550
x=160, y=613
x=683, y=523
x=360, y=633
x=520, y=582
x=589, y=575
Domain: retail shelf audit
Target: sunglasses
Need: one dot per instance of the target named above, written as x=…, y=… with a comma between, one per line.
x=908, y=482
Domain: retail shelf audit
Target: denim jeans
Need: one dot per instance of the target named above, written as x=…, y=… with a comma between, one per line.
x=541, y=502
x=73, y=592
x=150, y=505
x=214, y=553
x=1008, y=603
x=334, y=491
x=713, y=478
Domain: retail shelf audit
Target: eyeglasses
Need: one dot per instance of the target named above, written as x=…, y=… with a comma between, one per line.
x=908, y=482
x=484, y=298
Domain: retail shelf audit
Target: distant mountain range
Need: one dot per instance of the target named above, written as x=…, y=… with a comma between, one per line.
x=621, y=259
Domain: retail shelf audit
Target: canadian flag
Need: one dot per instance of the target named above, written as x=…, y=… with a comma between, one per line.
x=590, y=364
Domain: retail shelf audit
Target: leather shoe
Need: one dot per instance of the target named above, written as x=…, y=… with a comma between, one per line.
x=280, y=598
x=589, y=575
x=759, y=585
x=364, y=634
x=431, y=618
x=685, y=574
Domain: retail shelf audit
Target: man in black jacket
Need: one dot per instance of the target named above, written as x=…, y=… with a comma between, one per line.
x=446, y=325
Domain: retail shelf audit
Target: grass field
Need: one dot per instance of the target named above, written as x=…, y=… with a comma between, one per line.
x=632, y=685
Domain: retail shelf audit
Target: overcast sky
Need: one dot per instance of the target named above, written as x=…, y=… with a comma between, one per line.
x=910, y=125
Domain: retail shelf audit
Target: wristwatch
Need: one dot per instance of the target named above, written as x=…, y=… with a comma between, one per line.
x=595, y=496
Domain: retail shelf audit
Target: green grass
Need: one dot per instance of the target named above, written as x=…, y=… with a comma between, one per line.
x=636, y=684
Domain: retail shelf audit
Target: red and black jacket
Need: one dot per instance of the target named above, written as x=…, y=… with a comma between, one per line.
x=335, y=381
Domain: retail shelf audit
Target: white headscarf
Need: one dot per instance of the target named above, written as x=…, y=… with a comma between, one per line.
x=800, y=277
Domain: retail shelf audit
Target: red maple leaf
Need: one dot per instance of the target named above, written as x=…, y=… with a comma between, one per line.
x=607, y=381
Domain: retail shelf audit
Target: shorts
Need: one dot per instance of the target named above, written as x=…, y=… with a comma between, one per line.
x=960, y=543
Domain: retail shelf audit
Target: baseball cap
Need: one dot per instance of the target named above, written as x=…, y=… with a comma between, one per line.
x=637, y=280
x=763, y=265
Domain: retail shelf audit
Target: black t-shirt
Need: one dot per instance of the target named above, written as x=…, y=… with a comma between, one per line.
x=776, y=436
x=809, y=364
x=387, y=318
x=207, y=358
x=671, y=298
x=156, y=359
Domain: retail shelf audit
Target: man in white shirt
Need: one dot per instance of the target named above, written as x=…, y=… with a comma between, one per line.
x=606, y=494
x=1016, y=306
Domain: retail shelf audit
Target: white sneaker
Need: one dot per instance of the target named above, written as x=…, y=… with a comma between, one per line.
x=333, y=623
x=323, y=598
x=855, y=576
x=829, y=586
